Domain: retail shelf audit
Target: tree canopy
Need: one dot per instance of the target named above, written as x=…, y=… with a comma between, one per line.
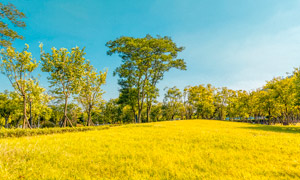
x=10, y=16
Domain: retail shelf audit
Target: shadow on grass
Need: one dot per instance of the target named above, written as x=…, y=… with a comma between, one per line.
x=280, y=129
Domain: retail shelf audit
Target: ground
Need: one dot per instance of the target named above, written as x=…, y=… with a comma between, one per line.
x=191, y=149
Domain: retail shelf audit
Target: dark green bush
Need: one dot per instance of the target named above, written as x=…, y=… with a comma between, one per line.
x=48, y=124
x=4, y=133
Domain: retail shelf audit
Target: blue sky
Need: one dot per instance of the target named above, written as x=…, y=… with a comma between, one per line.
x=233, y=43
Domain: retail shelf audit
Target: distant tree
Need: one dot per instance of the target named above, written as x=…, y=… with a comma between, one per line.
x=9, y=14
x=40, y=103
x=284, y=92
x=188, y=106
x=111, y=111
x=91, y=92
x=156, y=113
x=172, y=102
x=202, y=98
x=145, y=60
x=128, y=96
x=18, y=66
x=221, y=101
x=7, y=106
x=66, y=70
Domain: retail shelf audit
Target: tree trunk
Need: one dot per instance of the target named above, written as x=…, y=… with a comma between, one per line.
x=24, y=112
x=89, y=121
x=149, y=106
x=64, y=124
x=139, y=116
x=6, y=121
x=134, y=116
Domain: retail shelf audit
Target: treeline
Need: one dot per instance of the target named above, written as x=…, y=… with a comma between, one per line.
x=276, y=102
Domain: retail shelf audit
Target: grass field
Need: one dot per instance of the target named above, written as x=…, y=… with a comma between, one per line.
x=195, y=149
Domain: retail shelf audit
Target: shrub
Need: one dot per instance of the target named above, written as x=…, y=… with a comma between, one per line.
x=4, y=133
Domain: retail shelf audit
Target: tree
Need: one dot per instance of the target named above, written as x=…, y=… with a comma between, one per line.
x=221, y=101
x=66, y=70
x=9, y=14
x=111, y=111
x=202, y=98
x=284, y=93
x=91, y=92
x=40, y=101
x=7, y=106
x=18, y=66
x=144, y=62
x=172, y=102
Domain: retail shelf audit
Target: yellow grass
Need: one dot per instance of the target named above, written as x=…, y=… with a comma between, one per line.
x=195, y=149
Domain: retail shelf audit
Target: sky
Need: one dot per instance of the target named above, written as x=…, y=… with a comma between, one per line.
x=232, y=43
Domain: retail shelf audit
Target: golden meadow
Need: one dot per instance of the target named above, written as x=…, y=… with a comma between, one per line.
x=190, y=149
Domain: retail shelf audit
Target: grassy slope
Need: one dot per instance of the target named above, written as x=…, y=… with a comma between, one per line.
x=167, y=150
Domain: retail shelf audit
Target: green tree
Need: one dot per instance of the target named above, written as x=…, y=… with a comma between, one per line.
x=221, y=101
x=91, y=92
x=18, y=66
x=172, y=102
x=7, y=106
x=40, y=103
x=10, y=15
x=284, y=92
x=65, y=73
x=202, y=99
x=144, y=62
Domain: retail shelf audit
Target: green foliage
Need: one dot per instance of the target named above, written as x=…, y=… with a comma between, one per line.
x=10, y=15
x=17, y=67
x=201, y=98
x=172, y=102
x=144, y=62
x=91, y=92
x=66, y=70
x=7, y=107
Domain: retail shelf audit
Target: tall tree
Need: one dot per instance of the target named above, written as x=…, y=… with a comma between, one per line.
x=65, y=73
x=18, y=66
x=91, y=92
x=10, y=15
x=144, y=62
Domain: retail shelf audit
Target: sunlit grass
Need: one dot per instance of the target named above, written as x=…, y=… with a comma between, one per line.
x=194, y=149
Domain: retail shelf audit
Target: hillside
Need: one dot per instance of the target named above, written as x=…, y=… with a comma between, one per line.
x=192, y=149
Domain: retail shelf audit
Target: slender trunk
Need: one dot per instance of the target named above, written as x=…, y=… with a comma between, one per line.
x=286, y=115
x=89, y=121
x=6, y=121
x=134, y=116
x=139, y=109
x=24, y=112
x=149, y=107
x=139, y=115
x=18, y=121
x=65, y=112
x=39, y=120
x=269, y=119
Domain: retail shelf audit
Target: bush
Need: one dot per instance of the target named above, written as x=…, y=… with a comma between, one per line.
x=4, y=133
x=48, y=124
